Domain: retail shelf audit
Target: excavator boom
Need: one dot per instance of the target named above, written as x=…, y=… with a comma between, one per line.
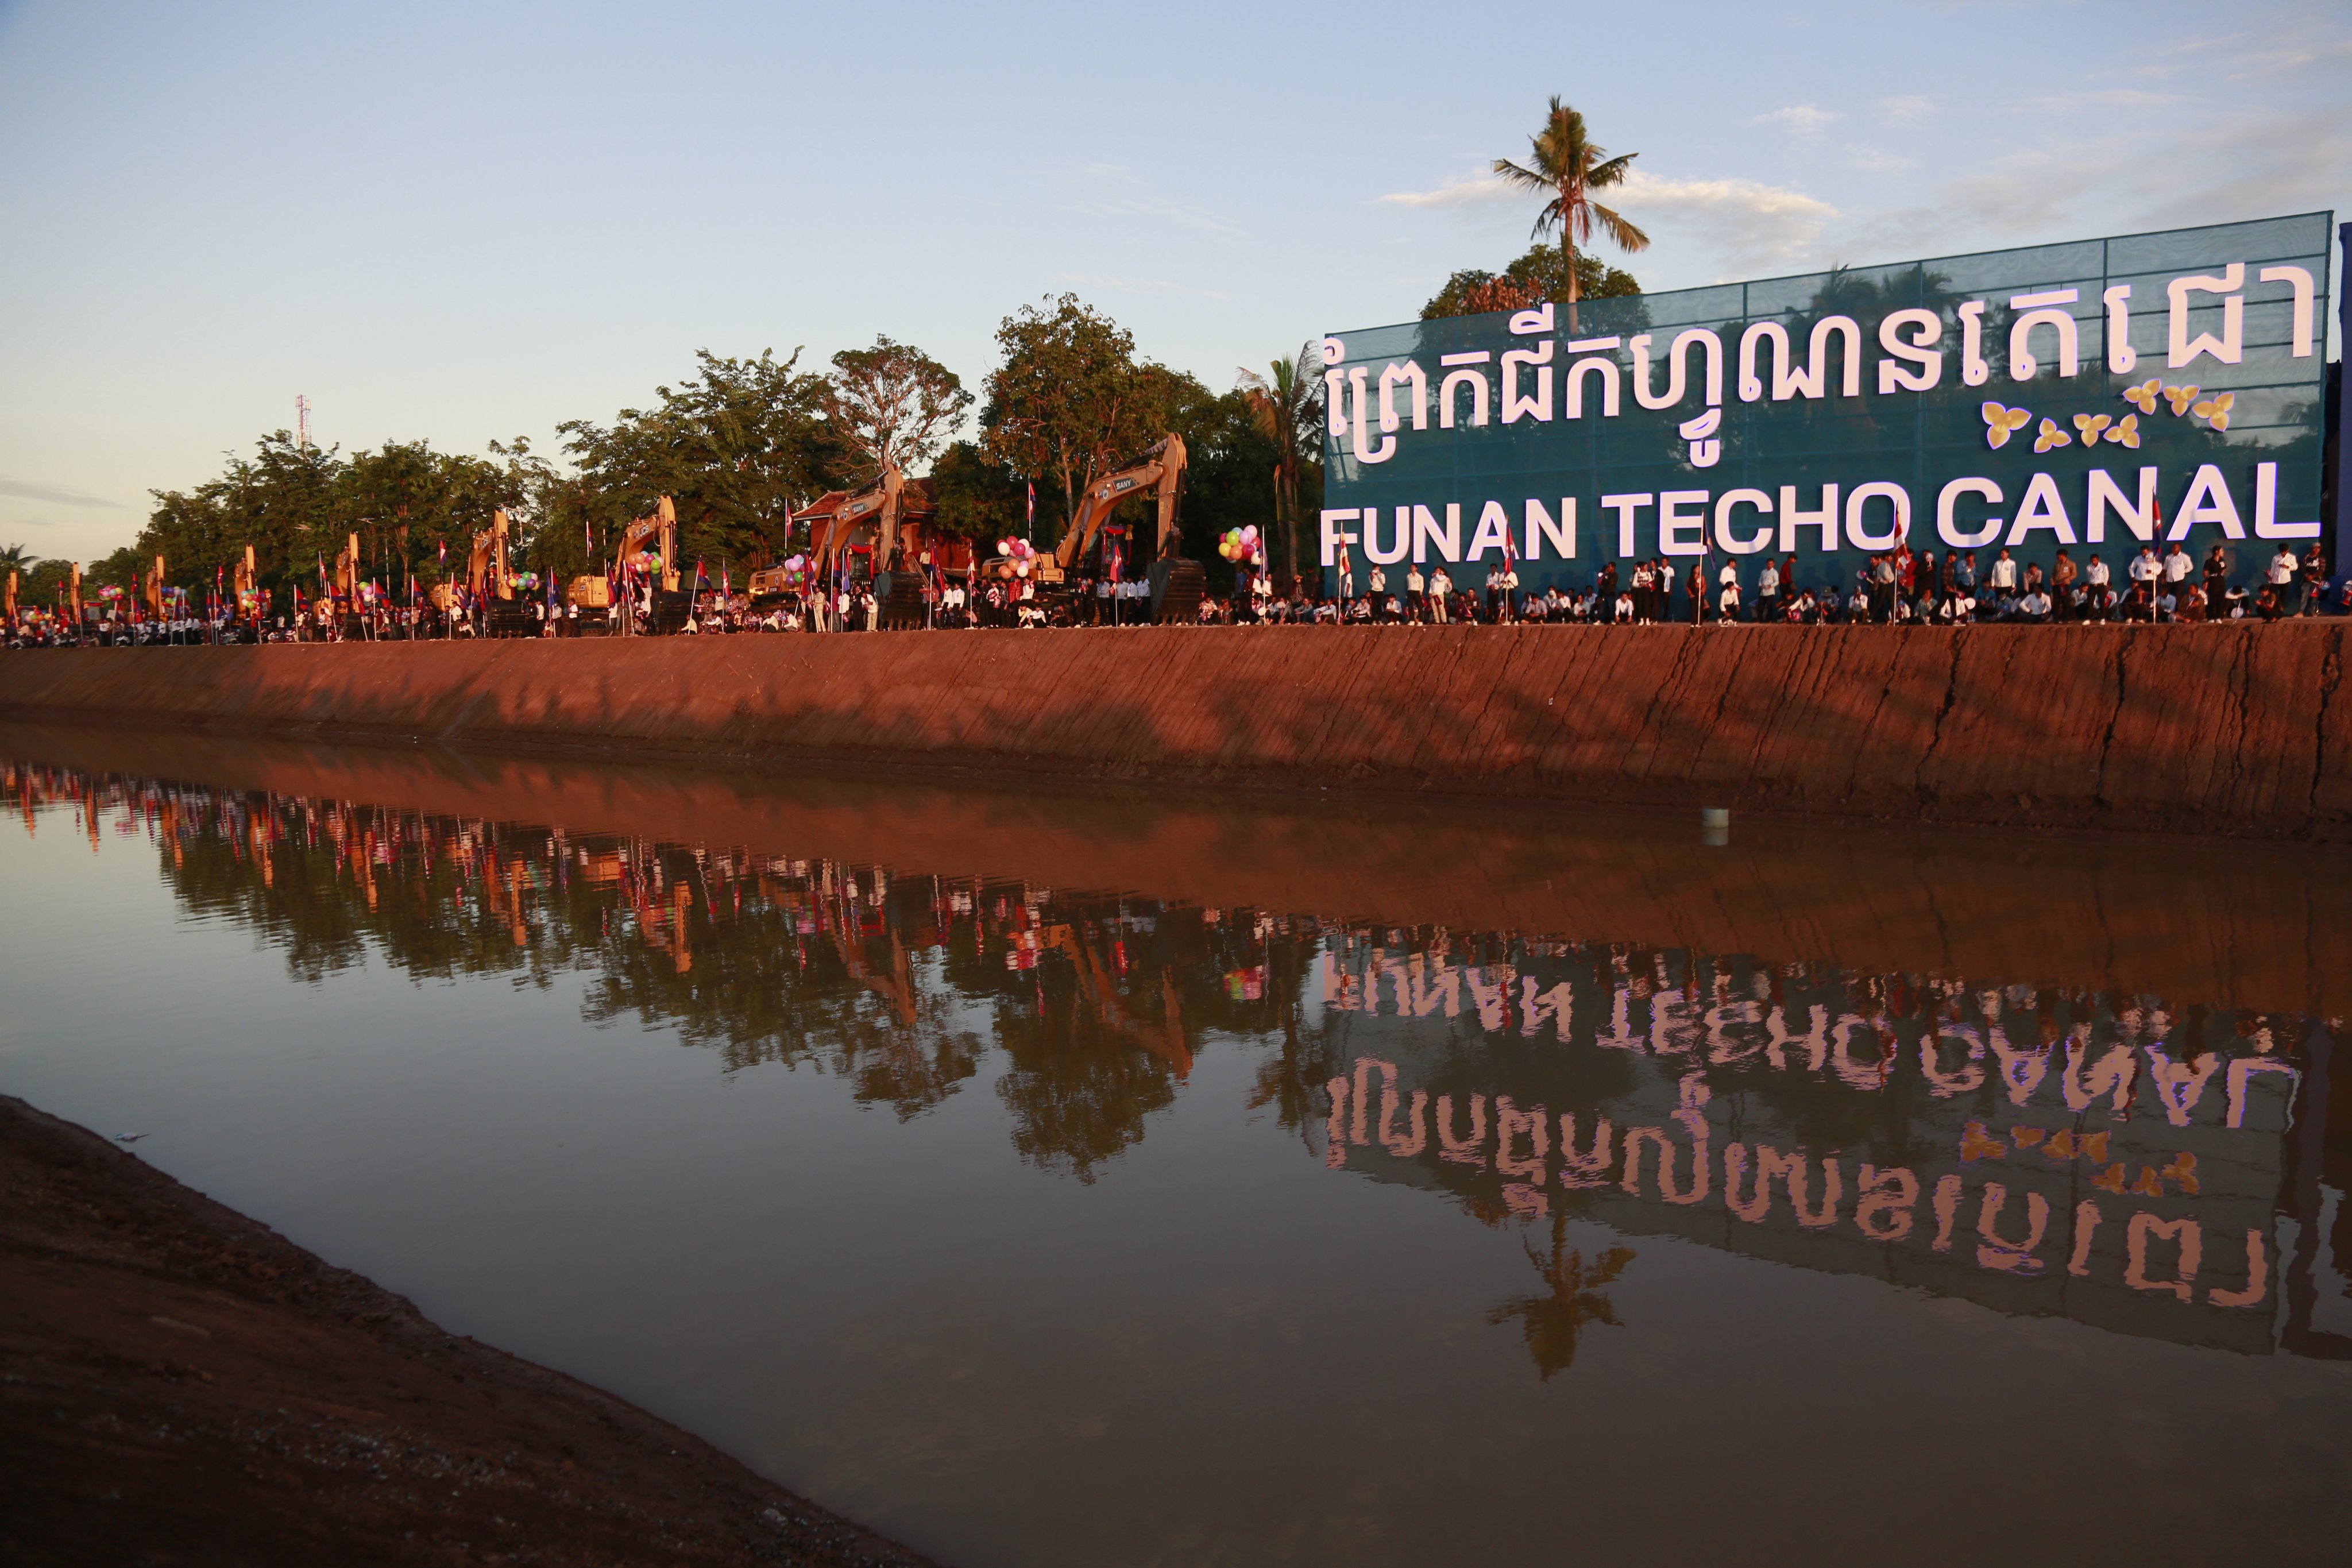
x=1161, y=472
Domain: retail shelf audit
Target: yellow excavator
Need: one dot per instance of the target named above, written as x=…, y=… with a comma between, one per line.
x=155, y=589
x=658, y=529
x=877, y=506
x=1176, y=582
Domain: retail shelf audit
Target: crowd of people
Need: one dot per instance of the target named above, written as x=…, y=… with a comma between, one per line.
x=1892, y=587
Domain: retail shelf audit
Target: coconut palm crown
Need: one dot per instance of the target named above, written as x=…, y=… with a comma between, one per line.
x=1566, y=167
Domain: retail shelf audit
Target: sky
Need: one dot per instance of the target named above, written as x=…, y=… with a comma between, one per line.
x=471, y=222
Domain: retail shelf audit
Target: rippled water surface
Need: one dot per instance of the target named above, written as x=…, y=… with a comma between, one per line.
x=1099, y=1179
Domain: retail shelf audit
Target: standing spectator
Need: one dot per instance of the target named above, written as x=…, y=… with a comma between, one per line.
x=2177, y=569
x=1768, y=594
x=1695, y=584
x=1727, y=607
x=1507, y=583
x=2003, y=579
x=2315, y=580
x=1416, y=593
x=2146, y=569
x=2062, y=597
x=2278, y=579
x=1963, y=574
x=1883, y=587
x=1441, y=590
x=2216, y=582
x=1346, y=574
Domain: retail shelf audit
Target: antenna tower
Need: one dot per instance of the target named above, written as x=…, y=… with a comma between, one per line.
x=301, y=421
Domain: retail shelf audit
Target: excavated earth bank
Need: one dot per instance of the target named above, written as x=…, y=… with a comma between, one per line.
x=2212, y=729
x=183, y=1385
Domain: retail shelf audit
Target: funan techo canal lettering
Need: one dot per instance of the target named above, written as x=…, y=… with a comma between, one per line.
x=2111, y=393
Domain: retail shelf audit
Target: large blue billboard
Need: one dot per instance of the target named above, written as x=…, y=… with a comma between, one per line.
x=2091, y=398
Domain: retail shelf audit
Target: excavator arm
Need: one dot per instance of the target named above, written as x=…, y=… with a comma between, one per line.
x=661, y=527
x=1161, y=472
x=876, y=506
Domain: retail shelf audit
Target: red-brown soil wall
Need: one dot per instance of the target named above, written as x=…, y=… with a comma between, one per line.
x=2214, y=729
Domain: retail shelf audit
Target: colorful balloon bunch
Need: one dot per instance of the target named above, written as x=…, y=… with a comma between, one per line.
x=1243, y=544
x=1020, y=552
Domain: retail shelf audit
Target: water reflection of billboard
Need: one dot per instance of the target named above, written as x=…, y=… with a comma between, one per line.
x=2039, y=1152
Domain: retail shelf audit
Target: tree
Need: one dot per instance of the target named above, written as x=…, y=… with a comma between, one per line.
x=978, y=497
x=1071, y=400
x=735, y=448
x=894, y=403
x=16, y=558
x=1567, y=168
x=1553, y=1322
x=1287, y=404
x=1541, y=274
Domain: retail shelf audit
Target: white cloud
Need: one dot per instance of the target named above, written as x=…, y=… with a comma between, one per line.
x=56, y=495
x=1742, y=222
x=2098, y=98
x=1877, y=160
x=1121, y=191
x=1804, y=119
x=1908, y=109
x=1118, y=283
x=1459, y=191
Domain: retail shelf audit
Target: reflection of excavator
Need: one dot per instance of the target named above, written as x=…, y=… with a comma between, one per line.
x=1100, y=990
x=1176, y=582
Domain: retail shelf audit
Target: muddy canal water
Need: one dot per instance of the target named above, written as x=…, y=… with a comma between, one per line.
x=1098, y=1179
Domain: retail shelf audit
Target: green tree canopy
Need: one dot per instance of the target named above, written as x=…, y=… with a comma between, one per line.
x=895, y=404
x=1541, y=274
x=735, y=448
x=1071, y=400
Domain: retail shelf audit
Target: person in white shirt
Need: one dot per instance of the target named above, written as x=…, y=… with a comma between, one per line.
x=2282, y=570
x=1507, y=582
x=2145, y=566
x=1767, y=592
x=2003, y=578
x=2096, y=574
x=1416, y=591
x=2178, y=566
x=2034, y=606
x=1441, y=587
x=1376, y=585
x=1728, y=602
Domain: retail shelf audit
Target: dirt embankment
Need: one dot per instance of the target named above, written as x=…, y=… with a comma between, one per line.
x=183, y=1385
x=2230, y=730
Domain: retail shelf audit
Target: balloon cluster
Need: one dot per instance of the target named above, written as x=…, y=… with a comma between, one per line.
x=1022, y=553
x=796, y=572
x=1243, y=544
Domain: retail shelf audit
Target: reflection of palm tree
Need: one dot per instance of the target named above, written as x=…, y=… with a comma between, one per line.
x=1552, y=1321
x=1568, y=168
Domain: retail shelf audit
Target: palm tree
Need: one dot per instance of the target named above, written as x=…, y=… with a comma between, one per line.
x=1552, y=1321
x=1286, y=403
x=17, y=558
x=1566, y=169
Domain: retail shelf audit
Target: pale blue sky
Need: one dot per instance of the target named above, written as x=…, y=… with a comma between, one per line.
x=463, y=222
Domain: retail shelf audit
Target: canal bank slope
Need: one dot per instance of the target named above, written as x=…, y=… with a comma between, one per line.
x=185, y=1385
x=2219, y=730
